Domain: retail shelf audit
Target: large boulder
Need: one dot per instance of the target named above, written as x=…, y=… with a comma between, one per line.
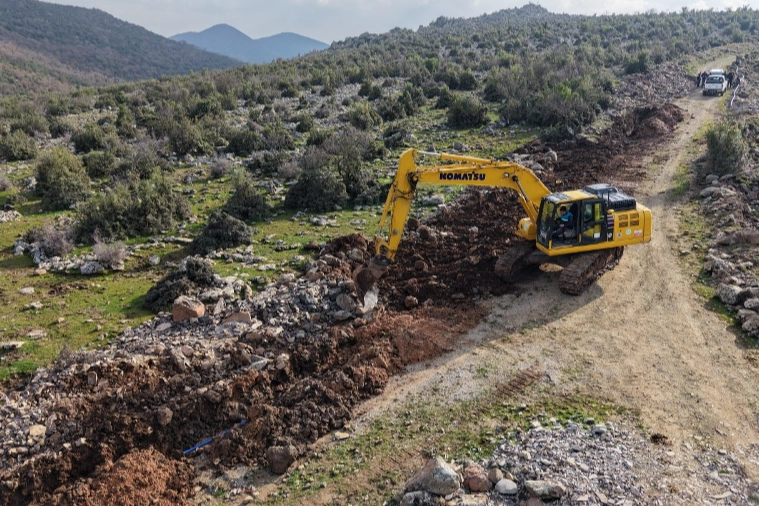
x=186, y=308
x=436, y=477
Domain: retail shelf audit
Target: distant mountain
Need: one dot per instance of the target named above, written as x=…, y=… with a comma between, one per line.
x=84, y=42
x=229, y=41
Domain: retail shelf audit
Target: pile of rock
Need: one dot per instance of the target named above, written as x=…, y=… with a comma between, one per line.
x=588, y=464
x=218, y=343
x=6, y=216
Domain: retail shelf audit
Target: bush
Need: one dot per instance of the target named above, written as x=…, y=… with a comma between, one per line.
x=61, y=180
x=142, y=160
x=90, y=138
x=219, y=168
x=466, y=112
x=185, y=138
x=247, y=202
x=111, y=255
x=60, y=127
x=362, y=116
x=5, y=184
x=317, y=190
x=222, y=231
x=726, y=149
x=52, y=242
x=99, y=163
x=139, y=207
x=17, y=146
x=268, y=163
x=305, y=123
x=30, y=124
x=278, y=138
x=244, y=141
x=192, y=275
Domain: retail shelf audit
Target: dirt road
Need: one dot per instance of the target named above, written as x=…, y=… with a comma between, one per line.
x=640, y=337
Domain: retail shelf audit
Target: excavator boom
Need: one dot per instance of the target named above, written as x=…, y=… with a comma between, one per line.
x=462, y=170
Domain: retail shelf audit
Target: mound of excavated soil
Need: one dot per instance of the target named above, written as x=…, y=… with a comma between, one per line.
x=125, y=422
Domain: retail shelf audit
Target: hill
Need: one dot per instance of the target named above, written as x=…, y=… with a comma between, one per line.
x=229, y=41
x=87, y=46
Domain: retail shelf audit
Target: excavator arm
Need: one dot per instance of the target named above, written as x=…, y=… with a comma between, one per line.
x=463, y=171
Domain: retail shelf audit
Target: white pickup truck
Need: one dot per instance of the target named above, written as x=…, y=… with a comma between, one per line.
x=716, y=84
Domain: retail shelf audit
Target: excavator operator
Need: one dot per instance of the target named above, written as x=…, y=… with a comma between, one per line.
x=566, y=223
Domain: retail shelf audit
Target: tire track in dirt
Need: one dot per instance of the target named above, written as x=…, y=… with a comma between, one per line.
x=640, y=337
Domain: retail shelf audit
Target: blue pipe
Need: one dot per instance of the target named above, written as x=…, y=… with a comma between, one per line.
x=210, y=440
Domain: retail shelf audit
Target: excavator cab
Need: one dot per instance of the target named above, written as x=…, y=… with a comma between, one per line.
x=559, y=222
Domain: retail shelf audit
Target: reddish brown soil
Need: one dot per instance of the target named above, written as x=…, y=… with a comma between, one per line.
x=128, y=458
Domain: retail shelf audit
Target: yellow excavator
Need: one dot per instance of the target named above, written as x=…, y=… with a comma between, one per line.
x=584, y=231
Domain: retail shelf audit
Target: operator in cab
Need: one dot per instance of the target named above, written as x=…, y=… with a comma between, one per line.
x=565, y=223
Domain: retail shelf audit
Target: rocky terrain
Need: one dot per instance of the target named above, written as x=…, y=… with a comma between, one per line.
x=261, y=378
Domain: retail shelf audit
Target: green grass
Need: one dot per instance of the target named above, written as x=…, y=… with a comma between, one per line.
x=681, y=182
x=466, y=429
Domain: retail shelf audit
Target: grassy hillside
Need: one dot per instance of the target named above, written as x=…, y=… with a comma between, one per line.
x=83, y=46
x=298, y=151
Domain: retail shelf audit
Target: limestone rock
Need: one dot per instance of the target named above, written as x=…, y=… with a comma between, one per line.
x=436, y=477
x=545, y=489
x=506, y=487
x=185, y=308
x=731, y=294
x=89, y=268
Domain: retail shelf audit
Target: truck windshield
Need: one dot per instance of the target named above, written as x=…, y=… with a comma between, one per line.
x=714, y=79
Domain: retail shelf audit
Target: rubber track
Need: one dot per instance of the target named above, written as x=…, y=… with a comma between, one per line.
x=513, y=260
x=586, y=268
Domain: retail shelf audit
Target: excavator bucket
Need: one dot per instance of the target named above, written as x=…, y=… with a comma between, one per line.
x=367, y=275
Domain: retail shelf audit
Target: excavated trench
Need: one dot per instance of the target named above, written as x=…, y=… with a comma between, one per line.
x=131, y=449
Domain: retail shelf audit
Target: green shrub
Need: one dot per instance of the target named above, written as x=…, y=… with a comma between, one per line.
x=17, y=146
x=31, y=124
x=305, y=123
x=99, y=163
x=278, y=138
x=363, y=116
x=244, y=141
x=139, y=207
x=319, y=190
x=90, y=138
x=141, y=160
x=61, y=179
x=222, y=231
x=189, y=278
x=268, y=162
x=726, y=149
x=185, y=138
x=466, y=112
x=247, y=202
x=125, y=125
x=59, y=127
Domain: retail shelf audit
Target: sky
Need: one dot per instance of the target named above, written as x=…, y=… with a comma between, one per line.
x=332, y=20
